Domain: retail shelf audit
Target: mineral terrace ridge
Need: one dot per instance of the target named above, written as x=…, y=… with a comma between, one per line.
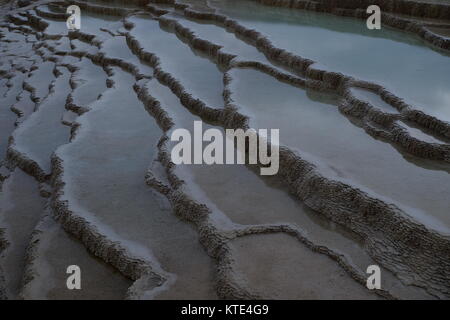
x=86, y=176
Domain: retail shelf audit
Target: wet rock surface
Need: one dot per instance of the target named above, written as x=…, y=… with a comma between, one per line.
x=86, y=177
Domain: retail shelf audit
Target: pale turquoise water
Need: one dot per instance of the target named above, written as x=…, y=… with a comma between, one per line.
x=397, y=60
x=373, y=99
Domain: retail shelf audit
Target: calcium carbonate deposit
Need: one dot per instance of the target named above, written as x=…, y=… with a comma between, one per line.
x=86, y=177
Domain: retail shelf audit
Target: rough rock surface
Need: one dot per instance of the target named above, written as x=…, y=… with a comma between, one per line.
x=76, y=107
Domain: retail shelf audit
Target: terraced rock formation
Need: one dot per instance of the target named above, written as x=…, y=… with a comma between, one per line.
x=86, y=176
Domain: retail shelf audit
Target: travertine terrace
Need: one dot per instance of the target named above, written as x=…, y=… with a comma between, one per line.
x=86, y=176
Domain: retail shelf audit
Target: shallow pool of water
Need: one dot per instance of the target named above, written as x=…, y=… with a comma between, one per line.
x=397, y=60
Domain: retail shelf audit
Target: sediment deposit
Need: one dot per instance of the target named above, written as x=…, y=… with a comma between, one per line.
x=85, y=124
